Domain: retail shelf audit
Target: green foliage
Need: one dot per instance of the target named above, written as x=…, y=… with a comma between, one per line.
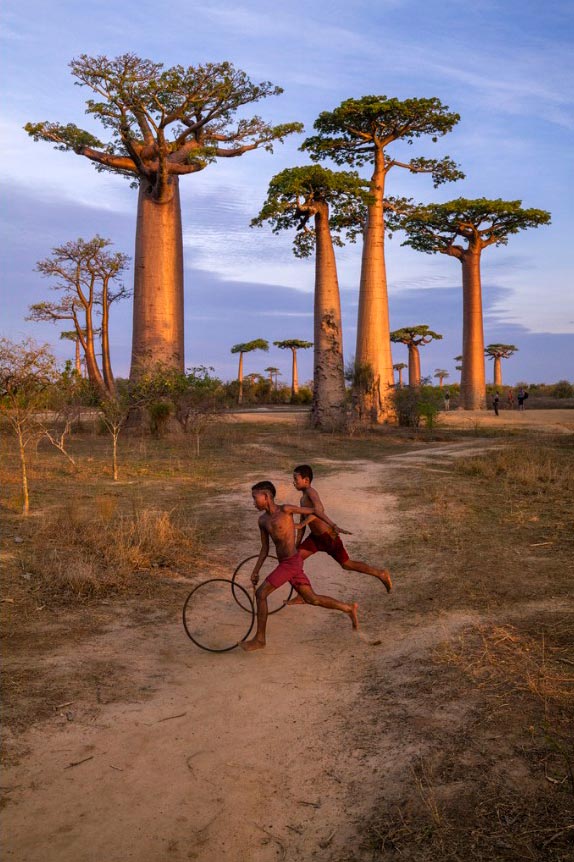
x=296, y=195
x=563, y=389
x=352, y=132
x=415, y=403
x=415, y=335
x=436, y=227
x=159, y=413
x=500, y=351
x=249, y=346
x=27, y=372
x=183, y=117
x=303, y=396
x=292, y=344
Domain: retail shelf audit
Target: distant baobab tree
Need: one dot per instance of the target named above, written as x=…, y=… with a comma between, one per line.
x=87, y=278
x=273, y=372
x=324, y=208
x=163, y=123
x=459, y=360
x=414, y=337
x=476, y=224
x=293, y=344
x=359, y=132
x=72, y=335
x=242, y=349
x=497, y=352
x=441, y=374
x=400, y=366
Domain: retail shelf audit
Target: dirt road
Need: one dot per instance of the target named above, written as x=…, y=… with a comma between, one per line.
x=243, y=757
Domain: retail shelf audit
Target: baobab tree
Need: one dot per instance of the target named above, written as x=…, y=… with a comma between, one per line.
x=441, y=374
x=86, y=275
x=72, y=335
x=324, y=208
x=400, y=366
x=357, y=133
x=497, y=352
x=242, y=349
x=273, y=372
x=162, y=124
x=414, y=337
x=293, y=344
x=462, y=229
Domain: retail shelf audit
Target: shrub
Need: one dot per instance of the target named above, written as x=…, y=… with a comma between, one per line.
x=159, y=413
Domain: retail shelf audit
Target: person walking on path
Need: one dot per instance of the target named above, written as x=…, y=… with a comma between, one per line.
x=522, y=396
x=510, y=399
x=447, y=400
x=496, y=403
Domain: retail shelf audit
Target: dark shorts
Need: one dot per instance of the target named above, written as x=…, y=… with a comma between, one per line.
x=289, y=571
x=326, y=543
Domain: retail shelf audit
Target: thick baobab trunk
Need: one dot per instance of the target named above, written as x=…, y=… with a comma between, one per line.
x=240, y=379
x=473, y=380
x=497, y=371
x=414, y=366
x=373, y=330
x=328, y=373
x=294, y=376
x=158, y=282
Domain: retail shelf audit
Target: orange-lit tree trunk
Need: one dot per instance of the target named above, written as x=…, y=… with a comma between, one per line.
x=105, y=341
x=497, y=371
x=294, y=375
x=78, y=358
x=473, y=378
x=414, y=365
x=158, y=281
x=240, y=380
x=328, y=371
x=373, y=330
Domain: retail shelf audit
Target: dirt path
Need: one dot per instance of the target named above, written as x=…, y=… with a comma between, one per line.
x=235, y=757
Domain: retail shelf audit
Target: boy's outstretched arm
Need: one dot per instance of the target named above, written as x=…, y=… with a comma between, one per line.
x=263, y=554
x=307, y=510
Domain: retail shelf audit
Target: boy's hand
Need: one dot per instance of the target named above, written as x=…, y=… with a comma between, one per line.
x=338, y=530
x=255, y=578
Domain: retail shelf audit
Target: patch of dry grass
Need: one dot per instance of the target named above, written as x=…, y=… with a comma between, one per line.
x=76, y=553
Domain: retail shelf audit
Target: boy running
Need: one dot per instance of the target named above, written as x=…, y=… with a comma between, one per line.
x=277, y=522
x=324, y=533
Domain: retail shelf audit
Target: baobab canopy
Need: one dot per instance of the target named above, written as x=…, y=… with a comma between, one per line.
x=161, y=121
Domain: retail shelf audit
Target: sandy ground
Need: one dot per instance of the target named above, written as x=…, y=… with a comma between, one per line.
x=242, y=757
x=552, y=421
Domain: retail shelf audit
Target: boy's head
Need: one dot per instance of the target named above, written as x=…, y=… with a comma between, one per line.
x=302, y=476
x=263, y=493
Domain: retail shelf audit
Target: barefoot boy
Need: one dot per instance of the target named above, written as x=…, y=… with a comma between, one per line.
x=324, y=533
x=277, y=522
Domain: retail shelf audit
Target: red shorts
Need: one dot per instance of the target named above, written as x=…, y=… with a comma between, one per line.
x=326, y=543
x=289, y=571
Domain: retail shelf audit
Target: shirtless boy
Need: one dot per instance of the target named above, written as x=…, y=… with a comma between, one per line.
x=277, y=522
x=324, y=533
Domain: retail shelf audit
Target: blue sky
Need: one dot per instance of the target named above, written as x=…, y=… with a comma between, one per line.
x=505, y=66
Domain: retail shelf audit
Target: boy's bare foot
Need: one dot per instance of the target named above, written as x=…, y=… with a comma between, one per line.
x=253, y=644
x=296, y=601
x=385, y=577
x=354, y=616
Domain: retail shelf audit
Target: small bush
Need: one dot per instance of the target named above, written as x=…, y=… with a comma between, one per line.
x=159, y=413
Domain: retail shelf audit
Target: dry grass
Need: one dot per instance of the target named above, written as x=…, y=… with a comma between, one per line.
x=79, y=554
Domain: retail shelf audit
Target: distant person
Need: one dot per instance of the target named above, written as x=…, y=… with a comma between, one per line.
x=277, y=522
x=521, y=396
x=510, y=399
x=496, y=402
x=447, y=401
